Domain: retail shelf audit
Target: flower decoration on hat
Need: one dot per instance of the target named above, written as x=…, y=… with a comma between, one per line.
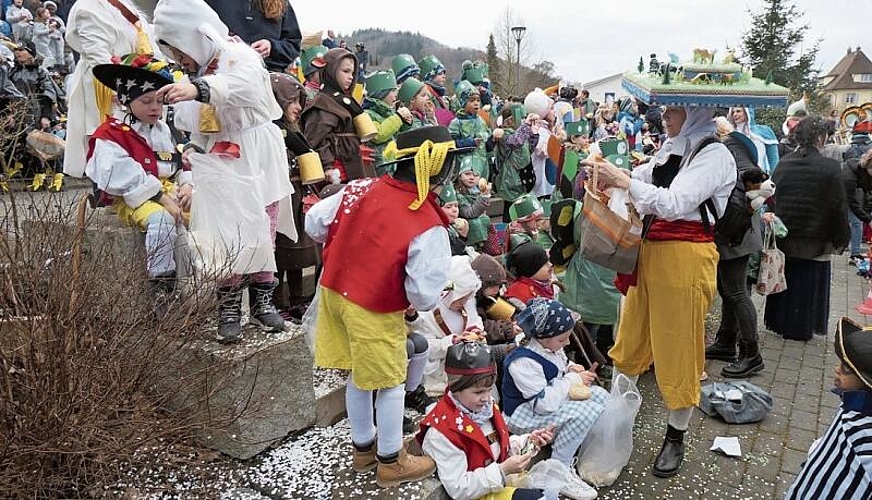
x=133, y=75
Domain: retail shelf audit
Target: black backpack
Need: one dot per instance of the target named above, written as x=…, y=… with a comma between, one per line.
x=731, y=227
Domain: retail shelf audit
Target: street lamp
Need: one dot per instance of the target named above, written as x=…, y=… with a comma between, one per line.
x=518, y=32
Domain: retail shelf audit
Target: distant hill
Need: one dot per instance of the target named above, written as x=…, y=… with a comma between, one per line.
x=383, y=45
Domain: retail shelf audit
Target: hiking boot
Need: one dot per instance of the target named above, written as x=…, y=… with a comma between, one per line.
x=724, y=348
x=856, y=259
x=163, y=290
x=418, y=400
x=230, y=314
x=749, y=362
x=263, y=312
x=401, y=467
x=668, y=461
x=363, y=459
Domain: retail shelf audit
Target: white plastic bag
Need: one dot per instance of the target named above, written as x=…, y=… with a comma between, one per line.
x=618, y=199
x=555, y=478
x=310, y=319
x=609, y=442
x=229, y=226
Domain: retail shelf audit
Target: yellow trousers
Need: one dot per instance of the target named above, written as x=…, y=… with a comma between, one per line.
x=139, y=216
x=372, y=345
x=663, y=319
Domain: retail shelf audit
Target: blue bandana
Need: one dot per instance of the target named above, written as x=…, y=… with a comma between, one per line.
x=545, y=318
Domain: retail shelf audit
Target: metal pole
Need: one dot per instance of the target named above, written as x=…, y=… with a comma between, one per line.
x=518, y=67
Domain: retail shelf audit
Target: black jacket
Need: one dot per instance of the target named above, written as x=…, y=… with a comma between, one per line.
x=854, y=178
x=245, y=20
x=752, y=242
x=860, y=143
x=810, y=200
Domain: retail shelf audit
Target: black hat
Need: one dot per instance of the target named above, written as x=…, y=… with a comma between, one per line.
x=526, y=259
x=135, y=76
x=408, y=146
x=853, y=346
x=469, y=358
x=28, y=46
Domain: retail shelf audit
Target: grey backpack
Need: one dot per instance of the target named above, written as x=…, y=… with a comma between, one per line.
x=736, y=402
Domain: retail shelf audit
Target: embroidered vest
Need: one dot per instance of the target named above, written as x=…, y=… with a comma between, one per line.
x=466, y=434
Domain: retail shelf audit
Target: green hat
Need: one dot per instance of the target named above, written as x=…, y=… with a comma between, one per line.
x=577, y=128
x=307, y=55
x=404, y=66
x=525, y=208
x=475, y=75
x=464, y=89
x=471, y=163
x=619, y=161
x=379, y=82
x=408, y=90
x=614, y=146
x=447, y=194
x=430, y=67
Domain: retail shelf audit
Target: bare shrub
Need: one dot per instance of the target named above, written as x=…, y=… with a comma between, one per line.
x=86, y=370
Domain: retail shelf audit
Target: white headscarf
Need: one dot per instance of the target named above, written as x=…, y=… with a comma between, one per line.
x=698, y=125
x=462, y=279
x=192, y=27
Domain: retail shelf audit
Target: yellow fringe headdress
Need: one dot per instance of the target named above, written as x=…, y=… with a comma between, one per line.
x=429, y=160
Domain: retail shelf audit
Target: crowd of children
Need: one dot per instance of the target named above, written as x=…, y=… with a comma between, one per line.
x=430, y=302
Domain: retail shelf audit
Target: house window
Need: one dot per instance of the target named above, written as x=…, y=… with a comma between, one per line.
x=851, y=98
x=865, y=78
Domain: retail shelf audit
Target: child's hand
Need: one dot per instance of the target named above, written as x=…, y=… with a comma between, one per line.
x=177, y=92
x=517, y=463
x=184, y=197
x=405, y=114
x=541, y=437
x=498, y=134
x=171, y=206
x=478, y=141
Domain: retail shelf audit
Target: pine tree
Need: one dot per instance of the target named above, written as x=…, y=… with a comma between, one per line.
x=775, y=45
x=641, y=66
x=494, y=64
x=667, y=74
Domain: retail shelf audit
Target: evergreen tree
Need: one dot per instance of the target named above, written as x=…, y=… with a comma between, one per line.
x=775, y=45
x=641, y=66
x=494, y=65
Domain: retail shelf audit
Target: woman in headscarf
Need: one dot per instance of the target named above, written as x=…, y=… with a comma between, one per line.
x=763, y=137
x=664, y=312
x=811, y=202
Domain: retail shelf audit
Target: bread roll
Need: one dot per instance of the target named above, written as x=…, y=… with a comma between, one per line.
x=579, y=392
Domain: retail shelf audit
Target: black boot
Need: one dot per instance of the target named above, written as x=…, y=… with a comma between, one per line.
x=724, y=348
x=164, y=292
x=263, y=312
x=419, y=400
x=230, y=312
x=749, y=362
x=408, y=425
x=671, y=455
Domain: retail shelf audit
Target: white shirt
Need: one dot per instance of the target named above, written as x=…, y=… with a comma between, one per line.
x=118, y=174
x=428, y=260
x=710, y=174
x=529, y=377
x=451, y=463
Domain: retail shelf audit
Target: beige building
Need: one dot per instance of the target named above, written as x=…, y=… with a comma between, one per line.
x=849, y=83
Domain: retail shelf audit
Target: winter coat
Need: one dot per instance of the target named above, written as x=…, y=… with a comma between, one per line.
x=304, y=252
x=753, y=241
x=465, y=129
x=35, y=81
x=388, y=124
x=512, y=157
x=857, y=178
x=246, y=21
x=328, y=125
x=810, y=200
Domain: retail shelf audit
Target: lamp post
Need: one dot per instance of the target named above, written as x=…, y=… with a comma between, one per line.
x=518, y=32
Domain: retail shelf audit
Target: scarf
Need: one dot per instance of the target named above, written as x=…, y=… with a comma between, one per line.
x=439, y=89
x=479, y=417
x=541, y=288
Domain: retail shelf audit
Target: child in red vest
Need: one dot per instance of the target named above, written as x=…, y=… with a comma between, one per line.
x=133, y=165
x=467, y=437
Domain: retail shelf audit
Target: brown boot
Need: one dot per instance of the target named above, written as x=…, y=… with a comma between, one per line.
x=402, y=468
x=363, y=460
